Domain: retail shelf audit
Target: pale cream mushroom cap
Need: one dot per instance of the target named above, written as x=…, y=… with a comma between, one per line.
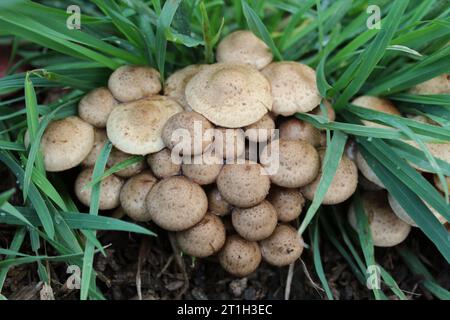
x=377, y=104
x=136, y=127
x=100, y=140
x=162, y=164
x=295, y=129
x=116, y=156
x=66, y=143
x=244, y=47
x=229, y=143
x=217, y=204
x=288, y=202
x=440, y=151
x=436, y=85
x=202, y=169
x=239, y=256
x=367, y=171
x=96, y=106
x=261, y=131
x=293, y=86
x=129, y=83
x=229, y=95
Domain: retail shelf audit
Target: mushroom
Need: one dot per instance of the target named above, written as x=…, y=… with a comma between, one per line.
x=295, y=129
x=367, y=171
x=261, y=131
x=387, y=230
x=377, y=104
x=66, y=143
x=217, y=204
x=439, y=151
x=162, y=164
x=109, y=189
x=95, y=107
x=342, y=186
x=331, y=115
x=134, y=193
x=204, y=239
x=239, y=256
x=202, y=169
x=243, y=185
x=136, y=127
x=100, y=140
x=229, y=143
x=298, y=163
x=436, y=85
x=176, y=203
x=243, y=46
x=229, y=95
x=293, y=86
x=255, y=223
x=283, y=247
x=116, y=156
x=439, y=185
x=129, y=83
x=287, y=202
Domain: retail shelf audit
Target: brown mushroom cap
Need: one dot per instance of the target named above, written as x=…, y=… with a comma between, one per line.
x=116, y=156
x=331, y=114
x=129, y=83
x=298, y=163
x=260, y=131
x=436, y=85
x=244, y=47
x=387, y=230
x=202, y=169
x=229, y=143
x=295, y=129
x=293, y=86
x=134, y=193
x=239, y=256
x=109, y=189
x=367, y=172
x=287, y=202
x=342, y=186
x=439, y=185
x=66, y=143
x=377, y=104
x=438, y=150
x=162, y=164
x=95, y=107
x=136, y=127
x=217, y=204
x=283, y=247
x=204, y=239
x=243, y=185
x=176, y=203
x=229, y=95
x=100, y=140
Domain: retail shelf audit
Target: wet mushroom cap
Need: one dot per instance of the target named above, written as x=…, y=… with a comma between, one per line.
x=162, y=164
x=239, y=257
x=95, y=107
x=176, y=203
x=377, y=104
x=261, y=131
x=136, y=127
x=244, y=47
x=217, y=204
x=204, y=239
x=116, y=156
x=295, y=129
x=66, y=143
x=229, y=143
x=367, y=172
x=100, y=140
x=202, y=169
x=229, y=95
x=436, y=85
x=288, y=202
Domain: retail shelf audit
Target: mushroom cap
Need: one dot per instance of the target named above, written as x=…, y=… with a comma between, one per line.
x=283, y=247
x=243, y=185
x=436, y=85
x=217, y=204
x=176, y=203
x=244, y=47
x=288, y=202
x=66, y=143
x=192, y=128
x=116, y=156
x=439, y=185
x=387, y=230
x=129, y=83
x=136, y=127
x=438, y=150
x=109, y=189
x=377, y=104
x=204, y=239
x=255, y=223
x=367, y=171
x=229, y=95
x=202, y=169
x=262, y=130
x=175, y=84
x=239, y=256
x=100, y=140
x=293, y=86
x=331, y=114
x=95, y=107
x=341, y=187
x=134, y=193
x=229, y=143
x=298, y=161
x=295, y=129
x=162, y=165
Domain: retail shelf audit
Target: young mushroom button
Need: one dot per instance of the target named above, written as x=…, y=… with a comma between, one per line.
x=162, y=164
x=239, y=256
x=96, y=106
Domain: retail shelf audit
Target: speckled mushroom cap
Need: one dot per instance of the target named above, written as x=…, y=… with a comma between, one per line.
x=190, y=131
x=255, y=223
x=342, y=186
x=136, y=127
x=243, y=185
x=204, y=239
x=438, y=150
x=134, y=193
x=175, y=84
x=283, y=247
x=293, y=86
x=377, y=104
x=217, y=204
x=229, y=95
x=100, y=139
x=229, y=143
x=298, y=163
x=129, y=83
x=176, y=203
x=436, y=85
x=288, y=202
x=387, y=230
x=95, y=107
x=239, y=256
x=244, y=47
x=66, y=143
x=367, y=171
x=109, y=189
x=116, y=156
x=261, y=131
x=439, y=185
x=295, y=129
x=202, y=169
x=331, y=114
x=162, y=164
